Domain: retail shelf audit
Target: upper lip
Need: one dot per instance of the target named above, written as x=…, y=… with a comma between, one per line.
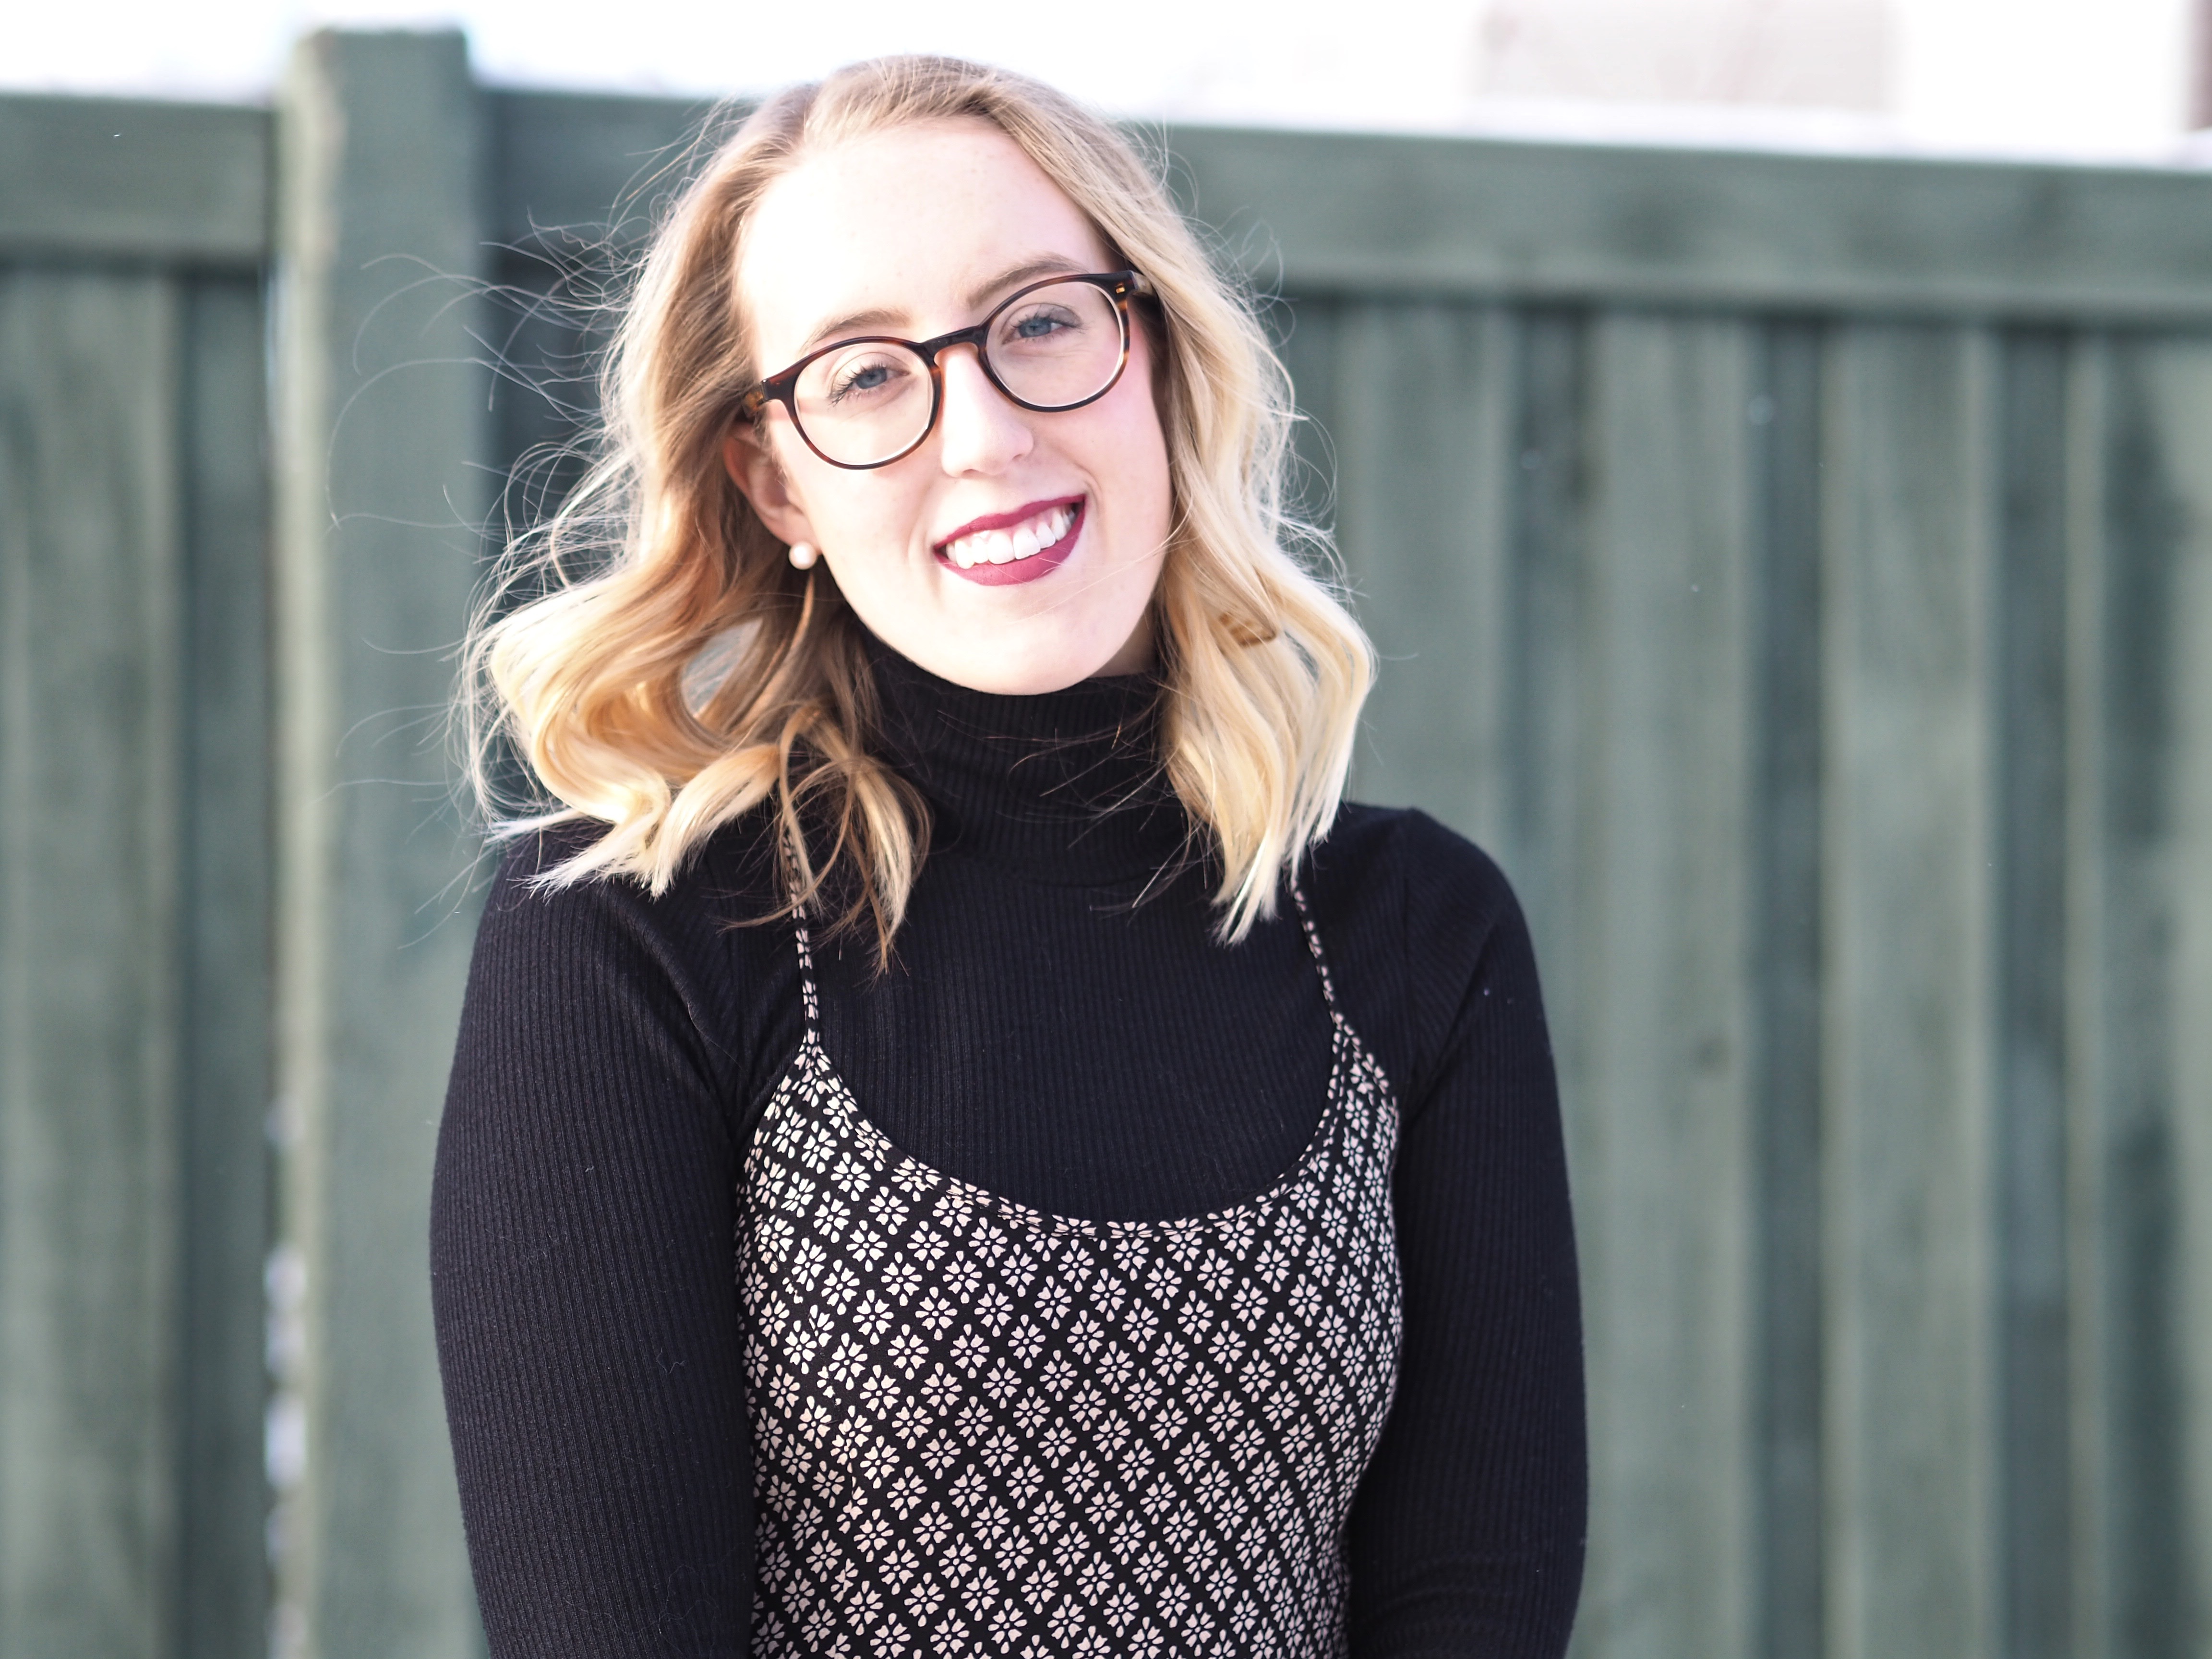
x=1003, y=520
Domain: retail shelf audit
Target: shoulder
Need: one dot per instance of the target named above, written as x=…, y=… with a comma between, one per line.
x=550, y=946
x=1407, y=911
x=1374, y=848
x=730, y=877
x=1441, y=891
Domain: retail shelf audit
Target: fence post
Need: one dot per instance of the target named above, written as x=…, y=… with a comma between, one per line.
x=379, y=489
x=89, y=675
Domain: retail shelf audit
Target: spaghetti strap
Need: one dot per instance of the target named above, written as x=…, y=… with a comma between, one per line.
x=801, y=938
x=1313, y=943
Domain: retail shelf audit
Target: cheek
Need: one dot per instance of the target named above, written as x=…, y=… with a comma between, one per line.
x=1140, y=441
x=856, y=515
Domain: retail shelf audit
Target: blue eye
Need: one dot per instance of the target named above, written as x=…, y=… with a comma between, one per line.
x=1042, y=324
x=866, y=378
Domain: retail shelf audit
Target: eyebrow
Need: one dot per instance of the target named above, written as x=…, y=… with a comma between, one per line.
x=1030, y=270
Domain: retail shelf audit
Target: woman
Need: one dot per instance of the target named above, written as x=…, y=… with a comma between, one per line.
x=1145, y=1181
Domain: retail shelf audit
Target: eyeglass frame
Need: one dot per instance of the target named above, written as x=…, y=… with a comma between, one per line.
x=781, y=387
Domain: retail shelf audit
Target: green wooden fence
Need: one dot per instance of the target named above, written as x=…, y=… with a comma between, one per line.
x=135, y=967
x=1798, y=571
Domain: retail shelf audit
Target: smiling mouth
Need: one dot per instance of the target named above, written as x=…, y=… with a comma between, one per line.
x=1020, y=551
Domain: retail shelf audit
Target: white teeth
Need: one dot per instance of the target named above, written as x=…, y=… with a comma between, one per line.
x=1025, y=541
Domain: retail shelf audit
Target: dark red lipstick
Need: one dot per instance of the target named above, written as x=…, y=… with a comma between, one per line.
x=1042, y=562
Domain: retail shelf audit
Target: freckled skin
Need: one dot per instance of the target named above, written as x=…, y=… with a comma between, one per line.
x=912, y=223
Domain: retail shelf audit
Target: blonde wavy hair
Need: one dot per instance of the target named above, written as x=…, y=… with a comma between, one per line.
x=654, y=657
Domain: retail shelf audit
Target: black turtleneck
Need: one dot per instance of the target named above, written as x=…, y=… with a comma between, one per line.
x=1058, y=1025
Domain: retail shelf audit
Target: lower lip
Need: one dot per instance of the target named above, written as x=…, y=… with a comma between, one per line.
x=1042, y=562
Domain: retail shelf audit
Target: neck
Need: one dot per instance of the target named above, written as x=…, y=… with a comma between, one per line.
x=1065, y=785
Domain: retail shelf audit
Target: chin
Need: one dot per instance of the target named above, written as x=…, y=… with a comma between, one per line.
x=1033, y=671
x=1020, y=678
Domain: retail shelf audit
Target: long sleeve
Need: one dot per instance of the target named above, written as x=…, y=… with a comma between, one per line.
x=582, y=1249
x=1469, y=1534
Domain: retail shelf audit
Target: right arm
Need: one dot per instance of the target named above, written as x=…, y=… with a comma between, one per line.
x=583, y=1221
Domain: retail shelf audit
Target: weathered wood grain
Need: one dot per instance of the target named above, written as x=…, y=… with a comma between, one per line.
x=1551, y=715
x=589, y=163
x=1785, y=413
x=89, y=599
x=1662, y=1109
x=121, y=178
x=2034, y=1406
x=1362, y=214
x=379, y=492
x=1910, y=1286
x=2088, y=1325
x=1367, y=214
x=2180, y=376
x=1421, y=414
x=224, y=831
x=1306, y=330
x=2139, y=999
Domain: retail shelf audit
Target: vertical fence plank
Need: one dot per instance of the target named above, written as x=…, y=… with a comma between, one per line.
x=1307, y=329
x=380, y=495
x=1784, y=415
x=1551, y=675
x=1551, y=670
x=89, y=602
x=2138, y=1109
x=1662, y=1104
x=2088, y=382
x=1423, y=408
x=1906, y=1203
x=222, y=1564
x=2032, y=1404
x=2182, y=377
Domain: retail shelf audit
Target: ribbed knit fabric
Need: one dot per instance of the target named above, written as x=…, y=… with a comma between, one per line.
x=1059, y=1027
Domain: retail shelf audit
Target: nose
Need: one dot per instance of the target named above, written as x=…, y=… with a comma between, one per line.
x=978, y=429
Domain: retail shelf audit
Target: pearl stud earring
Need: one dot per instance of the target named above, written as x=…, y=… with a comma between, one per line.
x=803, y=556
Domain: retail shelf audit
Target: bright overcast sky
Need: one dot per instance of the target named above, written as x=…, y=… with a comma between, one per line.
x=2051, y=76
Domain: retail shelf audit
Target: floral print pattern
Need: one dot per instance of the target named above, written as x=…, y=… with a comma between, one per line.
x=980, y=1429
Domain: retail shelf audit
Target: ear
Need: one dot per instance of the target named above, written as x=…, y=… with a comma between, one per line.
x=760, y=481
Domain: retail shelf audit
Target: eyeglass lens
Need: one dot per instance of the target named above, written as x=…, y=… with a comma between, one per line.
x=1052, y=349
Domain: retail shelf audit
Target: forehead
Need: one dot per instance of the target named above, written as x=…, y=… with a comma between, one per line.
x=907, y=223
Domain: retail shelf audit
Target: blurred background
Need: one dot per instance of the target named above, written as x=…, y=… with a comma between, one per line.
x=2120, y=78
x=1771, y=444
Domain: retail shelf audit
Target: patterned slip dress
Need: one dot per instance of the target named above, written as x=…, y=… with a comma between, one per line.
x=981, y=1430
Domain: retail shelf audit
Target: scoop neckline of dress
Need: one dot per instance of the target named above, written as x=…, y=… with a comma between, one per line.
x=1347, y=1051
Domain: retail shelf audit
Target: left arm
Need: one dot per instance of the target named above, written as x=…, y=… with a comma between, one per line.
x=1467, y=1538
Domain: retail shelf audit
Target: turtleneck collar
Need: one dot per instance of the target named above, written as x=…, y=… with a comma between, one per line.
x=1065, y=784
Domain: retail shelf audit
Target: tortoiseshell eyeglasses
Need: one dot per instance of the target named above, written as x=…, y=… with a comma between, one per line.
x=1053, y=345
